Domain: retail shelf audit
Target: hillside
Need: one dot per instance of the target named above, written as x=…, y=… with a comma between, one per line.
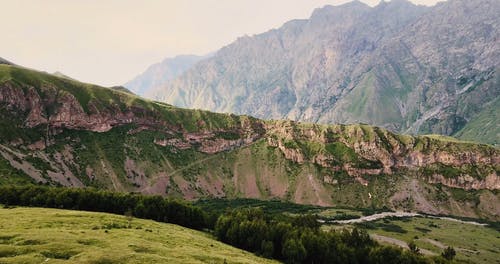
x=56, y=236
x=62, y=132
x=407, y=68
x=485, y=126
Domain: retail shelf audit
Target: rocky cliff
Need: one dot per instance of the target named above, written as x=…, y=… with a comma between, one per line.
x=407, y=68
x=59, y=131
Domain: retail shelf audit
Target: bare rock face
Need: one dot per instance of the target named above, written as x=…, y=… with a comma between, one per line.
x=491, y=182
x=407, y=68
x=60, y=109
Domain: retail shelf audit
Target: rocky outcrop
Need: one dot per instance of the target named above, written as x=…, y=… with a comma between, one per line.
x=491, y=182
x=218, y=144
x=374, y=146
x=59, y=109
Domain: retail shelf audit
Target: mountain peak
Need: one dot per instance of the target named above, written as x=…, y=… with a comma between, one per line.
x=395, y=2
x=328, y=10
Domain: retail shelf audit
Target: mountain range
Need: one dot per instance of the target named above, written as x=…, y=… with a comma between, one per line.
x=58, y=131
x=159, y=73
x=407, y=68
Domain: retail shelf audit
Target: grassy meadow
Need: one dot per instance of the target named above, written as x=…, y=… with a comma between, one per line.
x=39, y=235
x=473, y=243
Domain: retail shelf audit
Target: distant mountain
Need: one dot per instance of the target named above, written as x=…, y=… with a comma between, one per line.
x=58, y=131
x=158, y=74
x=408, y=68
x=62, y=75
x=4, y=61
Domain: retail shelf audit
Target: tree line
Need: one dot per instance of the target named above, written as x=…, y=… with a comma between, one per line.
x=301, y=240
x=88, y=199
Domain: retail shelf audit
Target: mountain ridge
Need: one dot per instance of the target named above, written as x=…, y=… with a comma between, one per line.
x=407, y=68
x=62, y=132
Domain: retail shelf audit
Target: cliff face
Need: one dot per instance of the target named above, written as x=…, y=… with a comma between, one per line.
x=407, y=68
x=370, y=150
x=58, y=131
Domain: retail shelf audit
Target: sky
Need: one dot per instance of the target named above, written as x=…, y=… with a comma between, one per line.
x=109, y=42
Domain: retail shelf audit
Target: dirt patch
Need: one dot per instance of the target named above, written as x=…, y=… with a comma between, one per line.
x=410, y=195
x=16, y=161
x=435, y=243
x=134, y=174
x=277, y=187
x=159, y=186
x=186, y=188
x=117, y=185
x=309, y=190
x=244, y=178
x=64, y=179
x=62, y=172
x=213, y=185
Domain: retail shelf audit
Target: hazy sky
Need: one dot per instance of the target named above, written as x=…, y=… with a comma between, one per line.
x=109, y=42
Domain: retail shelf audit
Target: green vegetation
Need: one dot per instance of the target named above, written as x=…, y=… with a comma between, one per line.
x=426, y=233
x=147, y=207
x=344, y=154
x=294, y=239
x=278, y=207
x=472, y=243
x=484, y=127
x=479, y=172
x=64, y=236
x=107, y=99
x=300, y=240
x=10, y=175
x=272, y=207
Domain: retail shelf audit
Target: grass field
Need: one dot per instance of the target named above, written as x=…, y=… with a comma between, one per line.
x=37, y=235
x=473, y=243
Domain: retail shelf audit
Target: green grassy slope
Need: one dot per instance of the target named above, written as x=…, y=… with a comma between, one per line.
x=107, y=98
x=485, y=127
x=64, y=236
x=473, y=243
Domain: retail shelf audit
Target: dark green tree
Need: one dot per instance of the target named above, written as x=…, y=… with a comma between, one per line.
x=449, y=253
x=294, y=251
x=413, y=247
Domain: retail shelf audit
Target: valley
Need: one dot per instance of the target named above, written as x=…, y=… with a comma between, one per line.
x=361, y=132
x=475, y=242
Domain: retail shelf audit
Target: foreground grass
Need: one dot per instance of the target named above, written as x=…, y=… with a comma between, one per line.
x=36, y=235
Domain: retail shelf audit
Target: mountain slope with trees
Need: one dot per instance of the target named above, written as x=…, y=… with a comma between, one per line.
x=58, y=131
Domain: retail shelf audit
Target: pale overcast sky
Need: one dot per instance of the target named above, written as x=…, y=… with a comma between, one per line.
x=108, y=42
